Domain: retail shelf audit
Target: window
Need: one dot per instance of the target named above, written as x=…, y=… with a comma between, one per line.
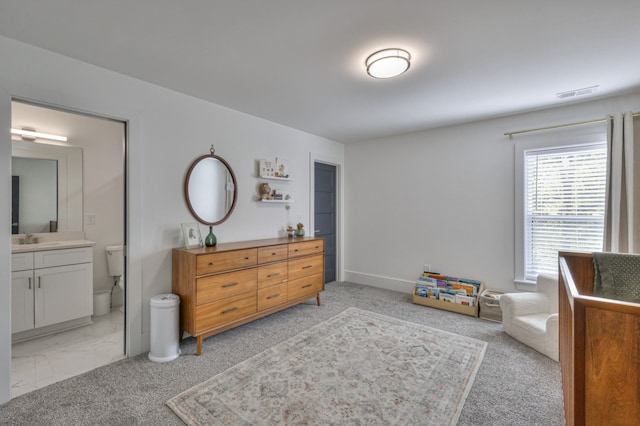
x=560, y=180
x=564, y=204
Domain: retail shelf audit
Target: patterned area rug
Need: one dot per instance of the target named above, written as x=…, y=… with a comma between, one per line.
x=358, y=367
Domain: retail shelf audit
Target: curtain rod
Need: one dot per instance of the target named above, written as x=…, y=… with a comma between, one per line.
x=558, y=126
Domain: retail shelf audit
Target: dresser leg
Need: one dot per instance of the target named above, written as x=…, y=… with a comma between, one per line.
x=199, y=349
x=318, y=298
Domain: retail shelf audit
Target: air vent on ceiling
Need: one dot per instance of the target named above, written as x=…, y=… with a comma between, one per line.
x=576, y=92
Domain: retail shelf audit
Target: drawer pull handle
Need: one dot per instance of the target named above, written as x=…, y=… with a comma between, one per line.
x=210, y=263
x=29, y=283
x=295, y=250
x=246, y=258
x=307, y=286
x=273, y=275
x=235, y=308
x=229, y=285
x=307, y=267
x=39, y=285
x=273, y=296
x=273, y=254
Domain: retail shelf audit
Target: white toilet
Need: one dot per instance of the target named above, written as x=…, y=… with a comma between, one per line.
x=115, y=263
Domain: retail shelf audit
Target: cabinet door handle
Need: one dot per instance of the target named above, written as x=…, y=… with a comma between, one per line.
x=230, y=310
x=229, y=285
x=277, y=274
x=29, y=283
x=306, y=286
x=307, y=267
x=273, y=296
x=39, y=286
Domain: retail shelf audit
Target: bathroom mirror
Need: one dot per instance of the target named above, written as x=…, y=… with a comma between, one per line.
x=210, y=189
x=52, y=204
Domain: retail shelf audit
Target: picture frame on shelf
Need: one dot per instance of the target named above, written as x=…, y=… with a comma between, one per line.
x=267, y=168
x=192, y=236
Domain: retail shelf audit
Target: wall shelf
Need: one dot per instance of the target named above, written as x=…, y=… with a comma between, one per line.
x=275, y=178
x=276, y=201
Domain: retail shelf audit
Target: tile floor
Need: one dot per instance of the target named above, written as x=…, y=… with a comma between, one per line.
x=46, y=360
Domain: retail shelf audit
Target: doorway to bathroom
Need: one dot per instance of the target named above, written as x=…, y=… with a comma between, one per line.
x=44, y=355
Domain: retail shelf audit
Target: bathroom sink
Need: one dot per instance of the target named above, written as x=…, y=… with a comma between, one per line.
x=47, y=245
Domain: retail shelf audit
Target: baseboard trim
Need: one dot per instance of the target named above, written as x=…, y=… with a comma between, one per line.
x=50, y=329
x=379, y=281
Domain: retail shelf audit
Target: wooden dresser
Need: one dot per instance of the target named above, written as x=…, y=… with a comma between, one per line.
x=232, y=284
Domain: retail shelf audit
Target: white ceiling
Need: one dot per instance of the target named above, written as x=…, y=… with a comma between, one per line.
x=301, y=63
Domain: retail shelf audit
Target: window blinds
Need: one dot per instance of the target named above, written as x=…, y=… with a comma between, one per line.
x=564, y=204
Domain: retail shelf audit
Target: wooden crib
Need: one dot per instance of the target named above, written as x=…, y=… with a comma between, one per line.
x=599, y=349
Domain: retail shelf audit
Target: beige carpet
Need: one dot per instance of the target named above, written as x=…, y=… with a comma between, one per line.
x=357, y=367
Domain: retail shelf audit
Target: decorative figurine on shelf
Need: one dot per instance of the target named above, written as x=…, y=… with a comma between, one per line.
x=299, y=232
x=290, y=231
x=265, y=191
x=211, y=239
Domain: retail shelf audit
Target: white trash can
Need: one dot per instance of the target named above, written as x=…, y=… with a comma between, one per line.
x=101, y=302
x=165, y=327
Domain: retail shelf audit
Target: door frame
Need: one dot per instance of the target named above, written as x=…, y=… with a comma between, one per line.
x=132, y=154
x=338, y=164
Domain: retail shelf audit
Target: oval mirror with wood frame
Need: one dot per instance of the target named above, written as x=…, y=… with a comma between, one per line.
x=210, y=189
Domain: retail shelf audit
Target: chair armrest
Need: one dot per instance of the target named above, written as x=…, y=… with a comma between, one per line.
x=552, y=338
x=517, y=304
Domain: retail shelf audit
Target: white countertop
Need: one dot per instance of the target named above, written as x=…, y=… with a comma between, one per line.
x=51, y=245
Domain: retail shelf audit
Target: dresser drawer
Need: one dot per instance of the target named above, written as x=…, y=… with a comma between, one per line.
x=272, y=274
x=272, y=296
x=307, y=286
x=218, y=262
x=221, y=286
x=272, y=253
x=306, y=248
x=224, y=311
x=304, y=267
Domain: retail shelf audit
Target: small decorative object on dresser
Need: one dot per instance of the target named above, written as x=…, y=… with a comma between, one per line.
x=299, y=232
x=191, y=235
x=210, y=240
x=232, y=284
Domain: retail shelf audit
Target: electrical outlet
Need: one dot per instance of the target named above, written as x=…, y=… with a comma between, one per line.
x=91, y=219
x=427, y=267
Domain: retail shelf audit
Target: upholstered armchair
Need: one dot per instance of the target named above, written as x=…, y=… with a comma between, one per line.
x=532, y=317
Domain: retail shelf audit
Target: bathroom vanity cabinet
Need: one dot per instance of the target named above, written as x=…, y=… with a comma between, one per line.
x=48, y=288
x=231, y=284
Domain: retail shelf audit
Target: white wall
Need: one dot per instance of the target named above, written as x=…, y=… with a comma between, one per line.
x=443, y=197
x=166, y=132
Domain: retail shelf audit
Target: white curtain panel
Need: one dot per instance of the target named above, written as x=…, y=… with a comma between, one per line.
x=622, y=216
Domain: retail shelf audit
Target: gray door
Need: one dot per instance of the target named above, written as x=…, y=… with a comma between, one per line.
x=325, y=215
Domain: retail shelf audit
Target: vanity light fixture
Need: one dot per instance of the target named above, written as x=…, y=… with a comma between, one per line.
x=32, y=135
x=388, y=63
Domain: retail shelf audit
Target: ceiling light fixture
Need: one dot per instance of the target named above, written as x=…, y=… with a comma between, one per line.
x=388, y=63
x=32, y=135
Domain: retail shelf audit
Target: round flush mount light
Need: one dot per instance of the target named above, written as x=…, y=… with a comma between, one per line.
x=388, y=63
